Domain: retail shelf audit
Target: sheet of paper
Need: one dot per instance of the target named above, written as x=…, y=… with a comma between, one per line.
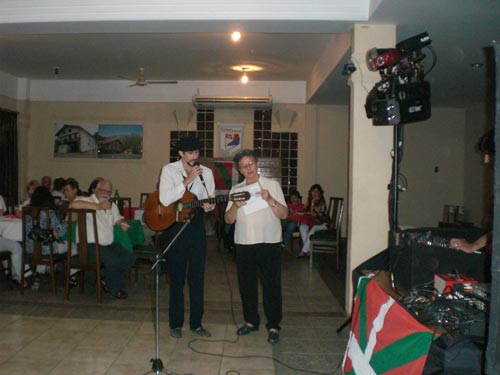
x=255, y=203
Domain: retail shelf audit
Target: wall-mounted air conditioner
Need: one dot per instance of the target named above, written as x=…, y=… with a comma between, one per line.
x=207, y=101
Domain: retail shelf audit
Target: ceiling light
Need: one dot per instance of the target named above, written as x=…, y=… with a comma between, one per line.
x=247, y=68
x=476, y=65
x=235, y=36
x=244, y=78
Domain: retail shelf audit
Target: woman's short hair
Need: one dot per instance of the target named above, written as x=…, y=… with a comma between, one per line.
x=241, y=154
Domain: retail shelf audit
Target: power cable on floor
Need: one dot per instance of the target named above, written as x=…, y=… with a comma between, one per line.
x=238, y=337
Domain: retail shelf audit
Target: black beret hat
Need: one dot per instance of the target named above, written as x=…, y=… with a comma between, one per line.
x=188, y=144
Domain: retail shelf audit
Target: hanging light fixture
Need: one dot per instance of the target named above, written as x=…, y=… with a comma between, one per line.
x=236, y=36
x=245, y=69
x=244, y=78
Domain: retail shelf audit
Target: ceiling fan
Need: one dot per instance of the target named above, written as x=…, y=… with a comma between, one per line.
x=141, y=81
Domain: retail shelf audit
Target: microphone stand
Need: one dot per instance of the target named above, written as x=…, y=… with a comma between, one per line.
x=157, y=367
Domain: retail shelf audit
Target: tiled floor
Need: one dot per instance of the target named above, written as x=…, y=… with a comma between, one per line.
x=42, y=334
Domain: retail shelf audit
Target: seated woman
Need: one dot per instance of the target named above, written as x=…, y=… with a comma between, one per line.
x=290, y=224
x=42, y=197
x=57, y=191
x=30, y=188
x=72, y=190
x=316, y=206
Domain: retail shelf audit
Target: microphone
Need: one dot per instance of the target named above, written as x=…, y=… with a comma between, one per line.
x=197, y=164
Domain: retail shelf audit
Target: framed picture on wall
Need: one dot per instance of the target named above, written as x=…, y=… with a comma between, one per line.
x=71, y=140
x=230, y=139
x=119, y=141
x=98, y=141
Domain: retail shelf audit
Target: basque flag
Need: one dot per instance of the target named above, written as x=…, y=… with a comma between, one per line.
x=384, y=337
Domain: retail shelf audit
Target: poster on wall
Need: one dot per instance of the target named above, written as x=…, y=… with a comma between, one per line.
x=72, y=140
x=98, y=141
x=119, y=141
x=230, y=139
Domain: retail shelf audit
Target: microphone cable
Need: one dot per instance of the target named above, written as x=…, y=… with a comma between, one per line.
x=229, y=372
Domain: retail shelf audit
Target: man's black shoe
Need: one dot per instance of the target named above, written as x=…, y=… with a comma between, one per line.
x=273, y=337
x=246, y=329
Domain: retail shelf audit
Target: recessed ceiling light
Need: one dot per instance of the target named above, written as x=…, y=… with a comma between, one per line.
x=244, y=79
x=476, y=65
x=247, y=68
x=235, y=36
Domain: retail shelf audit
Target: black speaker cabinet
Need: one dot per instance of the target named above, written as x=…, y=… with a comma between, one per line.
x=415, y=262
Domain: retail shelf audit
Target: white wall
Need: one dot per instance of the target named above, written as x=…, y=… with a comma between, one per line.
x=478, y=184
x=332, y=156
x=435, y=143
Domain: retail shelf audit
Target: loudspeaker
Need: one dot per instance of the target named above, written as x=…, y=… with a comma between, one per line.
x=462, y=355
x=415, y=263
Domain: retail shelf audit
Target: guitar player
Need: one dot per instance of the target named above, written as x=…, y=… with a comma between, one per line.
x=187, y=254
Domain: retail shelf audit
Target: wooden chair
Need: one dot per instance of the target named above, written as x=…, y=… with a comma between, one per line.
x=77, y=227
x=328, y=241
x=36, y=257
x=5, y=256
x=62, y=210
x=142, y=201
x=124, y=206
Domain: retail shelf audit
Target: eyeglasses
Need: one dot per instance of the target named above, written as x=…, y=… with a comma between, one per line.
x=247, y=166
x=105, y=191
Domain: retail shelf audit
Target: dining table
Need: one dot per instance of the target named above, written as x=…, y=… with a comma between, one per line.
x=11, y=227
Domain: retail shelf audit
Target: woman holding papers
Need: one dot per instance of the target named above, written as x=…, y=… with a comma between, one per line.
x=258, y=244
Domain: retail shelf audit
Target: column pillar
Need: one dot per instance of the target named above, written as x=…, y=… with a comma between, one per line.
x=370, y=161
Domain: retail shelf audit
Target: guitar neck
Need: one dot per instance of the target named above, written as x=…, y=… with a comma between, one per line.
x=200, y=202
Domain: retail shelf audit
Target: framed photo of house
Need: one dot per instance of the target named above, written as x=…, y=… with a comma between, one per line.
x=119, y=141
x=72, y=140
x=98, y=141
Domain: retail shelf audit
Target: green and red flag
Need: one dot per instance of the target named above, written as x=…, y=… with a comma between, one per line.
x=384, y=337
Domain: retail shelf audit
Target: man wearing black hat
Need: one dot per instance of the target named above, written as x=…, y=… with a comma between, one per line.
x=187, y=254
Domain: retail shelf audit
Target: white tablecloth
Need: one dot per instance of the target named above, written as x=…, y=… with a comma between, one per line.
x=11, y=229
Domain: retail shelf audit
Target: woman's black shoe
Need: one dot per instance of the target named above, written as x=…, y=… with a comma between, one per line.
x=246, y=329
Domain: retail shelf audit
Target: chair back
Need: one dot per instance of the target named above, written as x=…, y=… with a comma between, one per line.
x=37, y=235
x=124, y=205
x=336, y=212
x=77, y=235
x=143, y=199
x=62, y=210
x=33, y=215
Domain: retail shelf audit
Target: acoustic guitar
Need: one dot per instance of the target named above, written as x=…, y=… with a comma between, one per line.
x=159, y=217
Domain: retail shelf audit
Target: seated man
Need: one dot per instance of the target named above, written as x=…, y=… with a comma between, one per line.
x=290, y=224
x=115, y=259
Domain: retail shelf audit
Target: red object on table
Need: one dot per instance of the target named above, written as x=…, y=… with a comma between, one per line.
x=127, y=213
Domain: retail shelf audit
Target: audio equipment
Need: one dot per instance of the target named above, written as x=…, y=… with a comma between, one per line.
x=424, y=252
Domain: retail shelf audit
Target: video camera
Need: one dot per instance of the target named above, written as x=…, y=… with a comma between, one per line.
x=402, y=95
